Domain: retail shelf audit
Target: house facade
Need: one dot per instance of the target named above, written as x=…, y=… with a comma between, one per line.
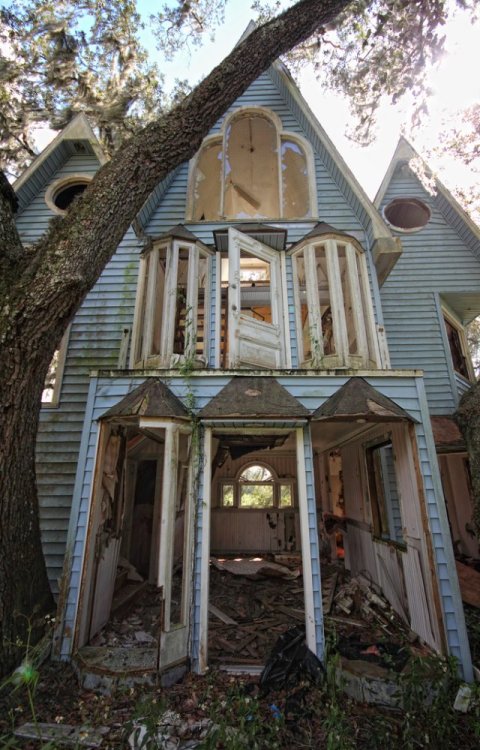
x=262, y=359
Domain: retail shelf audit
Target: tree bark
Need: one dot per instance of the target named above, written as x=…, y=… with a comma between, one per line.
x=468, y=419
x=40, y=291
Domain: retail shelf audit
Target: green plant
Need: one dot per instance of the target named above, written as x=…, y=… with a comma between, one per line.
x=427, y=694
x=239, y=723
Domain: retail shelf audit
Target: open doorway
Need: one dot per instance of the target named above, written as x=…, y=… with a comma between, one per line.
x=256, y=587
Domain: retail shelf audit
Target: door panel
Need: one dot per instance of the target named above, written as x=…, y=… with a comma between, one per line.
x=255, y=327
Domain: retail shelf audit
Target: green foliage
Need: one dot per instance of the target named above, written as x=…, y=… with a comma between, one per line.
x=60, y=58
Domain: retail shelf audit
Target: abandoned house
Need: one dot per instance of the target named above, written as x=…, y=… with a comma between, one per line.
x=269, y=361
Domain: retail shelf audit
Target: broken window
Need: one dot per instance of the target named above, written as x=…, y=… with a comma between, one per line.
x=334, y=308
x=53, y=380
x=257, y=487
x=383, y=491
x=252, y=171
x=458, y=346
x=173, y=300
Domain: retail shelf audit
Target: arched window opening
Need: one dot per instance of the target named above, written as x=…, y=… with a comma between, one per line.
x=254, y=171
x=256, y=487
x=208, y=183
x=296, y=194
x=334, y=309
x=251, y=169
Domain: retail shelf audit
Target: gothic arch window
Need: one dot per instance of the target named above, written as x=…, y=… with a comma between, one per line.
x=253, y=170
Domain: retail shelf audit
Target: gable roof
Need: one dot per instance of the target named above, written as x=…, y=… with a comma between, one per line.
x=76, y=138
x=253, y=398
x=456, y=216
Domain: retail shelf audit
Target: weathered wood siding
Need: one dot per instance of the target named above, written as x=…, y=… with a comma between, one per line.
x=434, y=260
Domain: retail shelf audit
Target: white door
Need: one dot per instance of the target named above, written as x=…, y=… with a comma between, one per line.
x=255, y=311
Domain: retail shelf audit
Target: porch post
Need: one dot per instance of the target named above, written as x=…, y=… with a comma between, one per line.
x=202, y=560
x=310, y=546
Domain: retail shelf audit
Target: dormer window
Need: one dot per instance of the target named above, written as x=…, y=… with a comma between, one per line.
x=254, y=170
x=172, y=309
x=335, y=323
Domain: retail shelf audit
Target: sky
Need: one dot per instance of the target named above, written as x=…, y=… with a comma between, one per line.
x=455, y=83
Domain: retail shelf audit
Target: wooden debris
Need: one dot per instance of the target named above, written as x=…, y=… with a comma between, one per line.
x=62, y=734
x=221, y=615
x=469, y=580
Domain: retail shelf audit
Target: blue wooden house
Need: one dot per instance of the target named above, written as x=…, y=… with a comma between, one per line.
x=265, y=343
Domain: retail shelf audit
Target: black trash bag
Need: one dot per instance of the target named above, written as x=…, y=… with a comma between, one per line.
x=291, y=661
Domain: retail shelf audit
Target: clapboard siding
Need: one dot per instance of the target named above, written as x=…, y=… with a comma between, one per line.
x=435, y=260
x=35, y=216
x=94, y=342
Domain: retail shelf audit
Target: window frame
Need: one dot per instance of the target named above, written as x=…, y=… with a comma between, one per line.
x=448, y=317
x=357, y=279
x=236, y=482
x=64, y=182
x=380, y=498
x=282, y=135
x=156, y=322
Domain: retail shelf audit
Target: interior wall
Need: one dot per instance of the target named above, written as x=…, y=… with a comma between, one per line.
x=241, y=530
x=403, y=571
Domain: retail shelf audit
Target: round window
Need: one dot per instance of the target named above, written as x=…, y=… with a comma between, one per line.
x=407, y=214
x=61, y=193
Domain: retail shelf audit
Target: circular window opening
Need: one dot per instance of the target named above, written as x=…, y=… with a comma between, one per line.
x=65, y=196
x=407, y=214
x=61, y=193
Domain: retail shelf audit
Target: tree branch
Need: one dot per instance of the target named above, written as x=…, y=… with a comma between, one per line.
x=82, y=243
x=11, y=248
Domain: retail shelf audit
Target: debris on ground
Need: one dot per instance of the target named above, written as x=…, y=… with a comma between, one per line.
x=171, y=732
x=62, y=734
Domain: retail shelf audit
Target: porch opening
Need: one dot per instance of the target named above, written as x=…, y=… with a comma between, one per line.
x=136, y=583
x=256, y=588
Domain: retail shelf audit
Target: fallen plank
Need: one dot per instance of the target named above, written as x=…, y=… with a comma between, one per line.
x=347, y=621
x=62, y=734
x=221, y=615
x=333, y=586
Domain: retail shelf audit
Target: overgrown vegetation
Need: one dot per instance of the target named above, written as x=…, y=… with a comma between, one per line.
x=239, y=717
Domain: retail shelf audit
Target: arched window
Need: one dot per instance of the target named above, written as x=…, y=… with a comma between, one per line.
x=334, y=311
x=254, y=170
x=257, y=487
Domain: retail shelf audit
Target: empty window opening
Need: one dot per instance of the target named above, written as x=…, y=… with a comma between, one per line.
x=407, y=214
x=252, y=171
x=172, y=305
x=61, y=194
x=458, y=346
x=334, y=312
x=384, y=493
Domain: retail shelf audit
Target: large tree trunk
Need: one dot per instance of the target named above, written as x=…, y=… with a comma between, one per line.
x=468, y=419
x=41, y=289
